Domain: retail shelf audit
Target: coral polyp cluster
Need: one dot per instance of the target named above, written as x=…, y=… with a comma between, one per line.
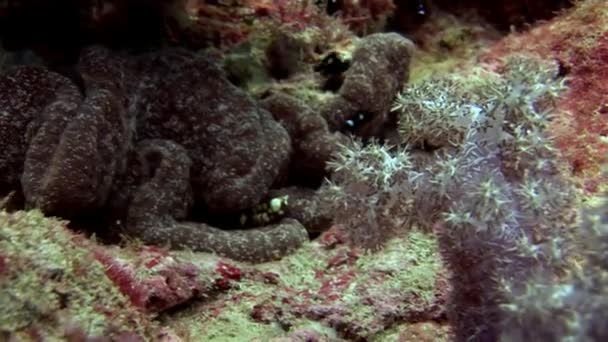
x=495, y=191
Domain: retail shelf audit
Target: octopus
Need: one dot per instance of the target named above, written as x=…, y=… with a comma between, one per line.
x=156, y=140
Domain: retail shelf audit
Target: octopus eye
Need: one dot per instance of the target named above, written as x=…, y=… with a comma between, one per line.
x=421, y=8
x=356, y=121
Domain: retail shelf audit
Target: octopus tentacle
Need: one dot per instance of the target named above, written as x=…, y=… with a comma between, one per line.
x=152, y=213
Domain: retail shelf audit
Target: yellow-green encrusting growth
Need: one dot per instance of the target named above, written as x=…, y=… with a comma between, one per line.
x=404, y=272
x=51, y=285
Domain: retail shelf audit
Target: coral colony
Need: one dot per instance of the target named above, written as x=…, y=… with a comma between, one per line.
x=298, y=170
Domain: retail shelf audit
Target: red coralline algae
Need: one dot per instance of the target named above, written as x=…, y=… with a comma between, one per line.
x=166, y=284
x=122, y=276
x=228, y=274
x=578, y=40
x=344, y=257
x=333, y=237
x=332, y=288
x=171, y=287
x=228, y=271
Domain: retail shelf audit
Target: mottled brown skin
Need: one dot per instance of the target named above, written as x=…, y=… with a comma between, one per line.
x=237, y=149
x=76, y=153
x=313, y=143
x=211, y=140
x=24, y=93
x=378, y=70
x=198, y=140
x=163, y=198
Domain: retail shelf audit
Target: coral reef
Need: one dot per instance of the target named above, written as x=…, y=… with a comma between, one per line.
x=492, y=188
x=578, y=42
x=328, y=291
x=227, y=24
x=325, y=289
x=52, y=287
x=201, y=192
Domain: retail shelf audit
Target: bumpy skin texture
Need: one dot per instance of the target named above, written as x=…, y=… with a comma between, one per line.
x=24, y=92
x=237, y=150
x=379, y=69
x=212, y=141
x=80, y=144
x=163, y=198
x=77, y=152
x=313, y=143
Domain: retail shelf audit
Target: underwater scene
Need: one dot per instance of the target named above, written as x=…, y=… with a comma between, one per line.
x=303, y=170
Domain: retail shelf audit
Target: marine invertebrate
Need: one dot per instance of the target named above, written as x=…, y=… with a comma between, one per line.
x=312, y=141
x=494, y=191
x=374, y=193
x=162, y=199
x=226, y=177
x=24, y=92
x=82, y=157
x=578, y=40
x=379, y=67
x=74, y=133
x=572, y=307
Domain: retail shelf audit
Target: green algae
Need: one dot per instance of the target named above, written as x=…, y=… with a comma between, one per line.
x=405, y=269
x=413, y=264
x=297, y=271
x=235, y=325
x=51, y=284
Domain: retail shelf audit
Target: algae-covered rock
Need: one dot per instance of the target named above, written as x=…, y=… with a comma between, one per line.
x=52, y=287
